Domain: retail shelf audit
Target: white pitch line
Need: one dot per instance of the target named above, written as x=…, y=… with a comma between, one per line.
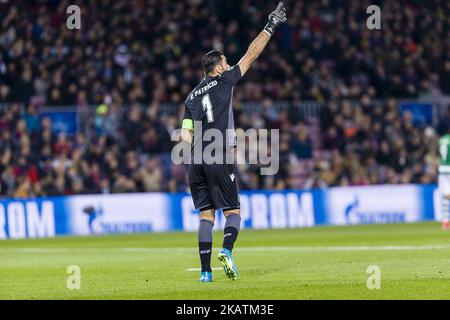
x=349, y=248
x=238, y=249
x=198, y=269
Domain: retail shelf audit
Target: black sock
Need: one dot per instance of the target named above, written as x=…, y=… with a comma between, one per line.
x=205, y=255
x=229, y=237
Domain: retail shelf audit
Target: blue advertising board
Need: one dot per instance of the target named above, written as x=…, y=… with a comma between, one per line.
x=85, y=215
x=62, y=121
x=422, y=113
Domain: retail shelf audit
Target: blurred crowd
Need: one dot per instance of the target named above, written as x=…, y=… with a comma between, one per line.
x=146, y=50
x=357, y=142
x=146, y=54
x=36, y=161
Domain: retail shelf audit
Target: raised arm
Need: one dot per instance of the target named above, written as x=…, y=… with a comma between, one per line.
x=277, y=17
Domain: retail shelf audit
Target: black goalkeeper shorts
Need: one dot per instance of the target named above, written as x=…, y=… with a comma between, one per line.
x=214, y=186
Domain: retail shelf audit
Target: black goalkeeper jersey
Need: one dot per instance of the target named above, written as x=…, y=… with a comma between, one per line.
x=211, y=104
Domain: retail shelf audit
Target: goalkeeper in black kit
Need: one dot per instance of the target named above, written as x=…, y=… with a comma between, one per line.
x=214, y=186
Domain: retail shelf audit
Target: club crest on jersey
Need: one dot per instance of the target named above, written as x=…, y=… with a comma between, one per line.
x=232, y=176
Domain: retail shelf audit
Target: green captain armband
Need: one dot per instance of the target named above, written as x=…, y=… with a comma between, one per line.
x=188, y=124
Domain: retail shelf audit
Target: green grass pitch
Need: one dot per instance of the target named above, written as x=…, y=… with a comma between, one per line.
x=312, y=263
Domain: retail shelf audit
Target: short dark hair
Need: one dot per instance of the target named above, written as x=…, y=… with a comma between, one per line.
x=211, y=59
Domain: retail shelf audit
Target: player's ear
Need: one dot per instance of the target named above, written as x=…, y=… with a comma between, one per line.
x=219, y=69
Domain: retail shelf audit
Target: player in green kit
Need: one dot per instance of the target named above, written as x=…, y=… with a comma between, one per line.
x=444, y=178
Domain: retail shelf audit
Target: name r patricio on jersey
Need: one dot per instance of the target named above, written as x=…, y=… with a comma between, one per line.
x=202, y=90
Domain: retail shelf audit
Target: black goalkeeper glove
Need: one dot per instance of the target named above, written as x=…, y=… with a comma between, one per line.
x=277, y=17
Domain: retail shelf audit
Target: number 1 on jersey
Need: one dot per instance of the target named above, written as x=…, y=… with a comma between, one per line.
x=207, y=107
